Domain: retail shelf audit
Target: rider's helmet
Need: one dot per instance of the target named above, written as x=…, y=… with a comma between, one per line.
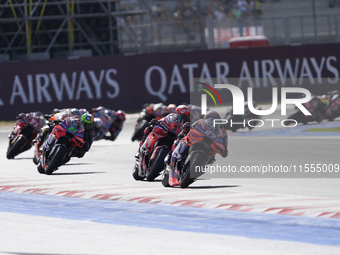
x=75, y=113
x=56, y=110
x=120, y=116
x=324, y=100
x=98, y=123
x=110, y=115
x=211, y=116
x=159, y=110
x=171, y=108
x=87, y=121
x=184, y=111
x=82, y=111
x=38, y=115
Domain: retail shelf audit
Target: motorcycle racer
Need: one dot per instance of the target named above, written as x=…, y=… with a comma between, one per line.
x=62, y=114
x=171, y=108
x=175, y=120
x=169, y=126
x=87, y=121
x=35, y=120
x=149, y=112
x=103, y=119
x=220, y=136
x=36, y=117
x=153, y=111
x=57, y=117
x=117, y=124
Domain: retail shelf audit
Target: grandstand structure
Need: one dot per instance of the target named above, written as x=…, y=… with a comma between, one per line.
x=43, y=29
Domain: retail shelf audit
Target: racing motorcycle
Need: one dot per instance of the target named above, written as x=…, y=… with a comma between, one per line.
x=42, y=136
x=24, y=132
x=313, y=106
x=145, y=117
x=63, y=142
x=332, y=110
x=236, y=122
x=198, y=149
x=150, y=161
x=102, y=125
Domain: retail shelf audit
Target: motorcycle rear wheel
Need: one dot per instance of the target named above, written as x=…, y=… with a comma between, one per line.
x=16, y=148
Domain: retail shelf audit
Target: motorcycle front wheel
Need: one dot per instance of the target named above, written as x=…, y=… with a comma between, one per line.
x=40, y=169
x=16, y=148
x=165, y=178
x=298, y=116
x=135, y=172
x=197, y=158
x=157, y=166
x=56, y=159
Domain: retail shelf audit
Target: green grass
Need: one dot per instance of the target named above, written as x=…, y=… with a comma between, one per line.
x=337, y=129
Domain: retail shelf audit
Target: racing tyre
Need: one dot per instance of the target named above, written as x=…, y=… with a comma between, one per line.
x=165, y=179
x=16, y=148
x=296, y=116
x=35, y=159
x=157, y=166
x=135, y=173
x=196, y=159
x=138, y=134
x=40, y=169
x=56, y=160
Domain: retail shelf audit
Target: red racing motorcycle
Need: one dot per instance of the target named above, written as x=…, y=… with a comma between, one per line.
x=332, y=110
x=61, y=144
x=156, y=146
x=313, y=106
x=24, y=132
x=194, y=152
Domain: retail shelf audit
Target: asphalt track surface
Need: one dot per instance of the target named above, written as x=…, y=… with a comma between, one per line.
x=94, y=206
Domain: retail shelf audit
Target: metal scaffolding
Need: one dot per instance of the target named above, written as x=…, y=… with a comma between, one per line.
x=36, y=29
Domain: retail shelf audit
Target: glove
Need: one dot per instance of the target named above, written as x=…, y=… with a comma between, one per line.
x=186, y=127
x=20, y=115
x=154, y=122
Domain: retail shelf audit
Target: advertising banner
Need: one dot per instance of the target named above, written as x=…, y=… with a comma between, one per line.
x=128, y=82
